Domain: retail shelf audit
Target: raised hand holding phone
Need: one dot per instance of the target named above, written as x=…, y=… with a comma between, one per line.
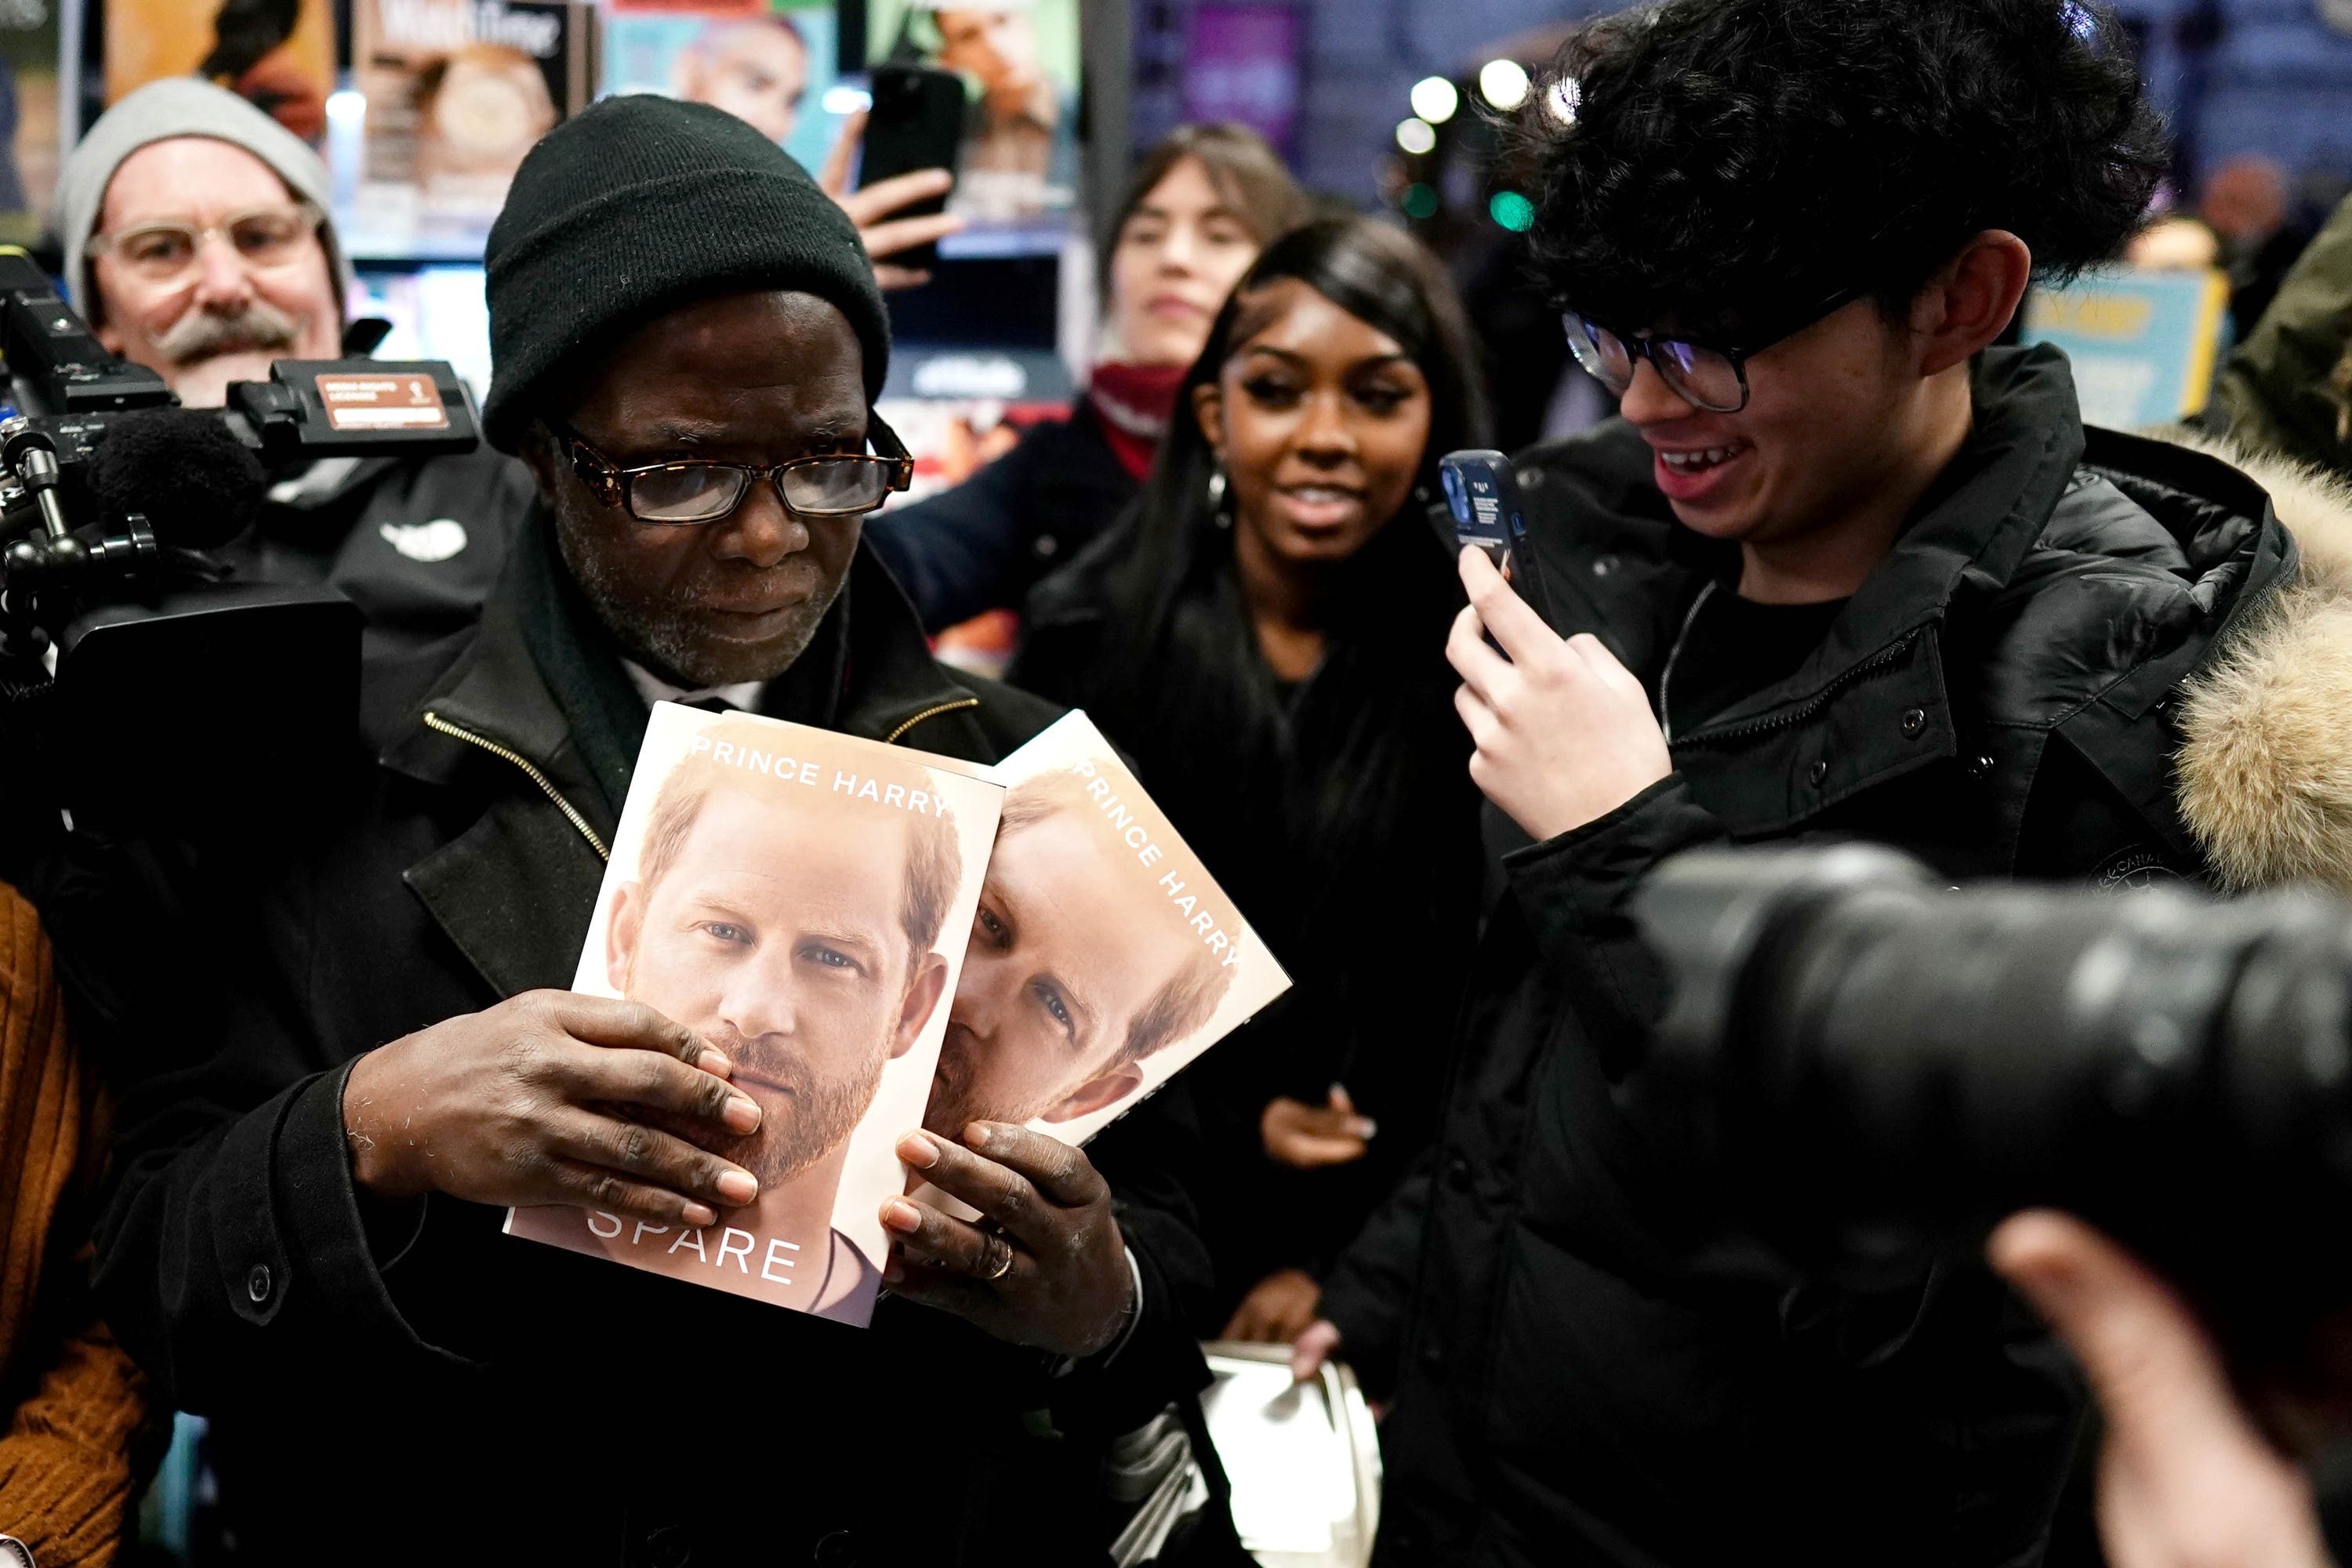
x=1564, y=732
x=899, y=217
x=913, y=136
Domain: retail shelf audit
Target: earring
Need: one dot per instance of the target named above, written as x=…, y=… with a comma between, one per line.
x=1219, y=512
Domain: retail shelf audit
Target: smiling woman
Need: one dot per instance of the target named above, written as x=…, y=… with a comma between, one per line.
x=1201, y=206
x=1263, y=634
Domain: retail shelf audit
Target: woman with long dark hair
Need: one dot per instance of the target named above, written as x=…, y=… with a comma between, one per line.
x=1262, y=632
x=1201, y=206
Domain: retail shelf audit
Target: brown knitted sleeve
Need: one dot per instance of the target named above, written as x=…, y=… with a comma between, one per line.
x=67, y=1469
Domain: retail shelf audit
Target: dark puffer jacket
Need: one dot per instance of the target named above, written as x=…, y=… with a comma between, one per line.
x=1998, y=699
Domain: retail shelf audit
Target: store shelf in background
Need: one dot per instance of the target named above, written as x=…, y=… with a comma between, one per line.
x=962, y=372
x=436, y=313
x=380, y=245
x=1043, y=235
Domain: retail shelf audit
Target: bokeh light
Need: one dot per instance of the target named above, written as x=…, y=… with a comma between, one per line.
x=1435, y=100
x=1503, y=83
x=1417, y=135
x=1512, y=210
x=1420, y=200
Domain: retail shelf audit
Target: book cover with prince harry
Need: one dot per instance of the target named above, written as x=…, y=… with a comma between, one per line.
x=802, y=900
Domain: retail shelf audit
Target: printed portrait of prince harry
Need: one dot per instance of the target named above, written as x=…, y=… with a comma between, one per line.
x=797, y=931
x=1077, y=975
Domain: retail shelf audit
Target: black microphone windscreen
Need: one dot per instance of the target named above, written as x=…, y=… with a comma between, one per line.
x=197, y=484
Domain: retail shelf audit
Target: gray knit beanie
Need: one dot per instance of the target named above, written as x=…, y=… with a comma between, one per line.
x=636, y=207
x=179, y=106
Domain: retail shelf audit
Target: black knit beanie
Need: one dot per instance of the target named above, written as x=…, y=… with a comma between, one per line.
x=637, y=206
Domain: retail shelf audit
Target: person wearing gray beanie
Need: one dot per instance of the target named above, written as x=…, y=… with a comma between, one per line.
x=142, y=197
x=197, y=244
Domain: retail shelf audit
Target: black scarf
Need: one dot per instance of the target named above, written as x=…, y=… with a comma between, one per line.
x=580, y=659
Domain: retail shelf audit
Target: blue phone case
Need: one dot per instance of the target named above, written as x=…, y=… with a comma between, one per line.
x=1482, y=495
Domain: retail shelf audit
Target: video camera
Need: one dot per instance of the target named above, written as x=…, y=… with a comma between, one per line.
x=122, y=640
x=1879, y=1066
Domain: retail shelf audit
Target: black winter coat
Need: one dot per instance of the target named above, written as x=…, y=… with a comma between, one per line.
x=1568, y=1388
x=980, y=545
x=415, y=544
x=387, y=1381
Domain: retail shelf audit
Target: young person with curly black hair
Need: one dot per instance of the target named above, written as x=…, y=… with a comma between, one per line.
x=1841, y=567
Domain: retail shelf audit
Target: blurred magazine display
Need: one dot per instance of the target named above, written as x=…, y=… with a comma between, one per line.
x=279, y=55
x=770, y=62
x=802, y=899
x=950, y=439
x=1018, y=171
x=457, y=91
x=29, y=126
x=1104, y=956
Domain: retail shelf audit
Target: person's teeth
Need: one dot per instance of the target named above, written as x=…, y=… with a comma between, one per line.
x=1690, y=462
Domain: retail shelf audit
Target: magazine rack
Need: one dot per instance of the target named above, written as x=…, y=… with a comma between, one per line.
x=1303, y=1459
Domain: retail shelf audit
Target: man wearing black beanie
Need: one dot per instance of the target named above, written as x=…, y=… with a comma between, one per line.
x=687, y=342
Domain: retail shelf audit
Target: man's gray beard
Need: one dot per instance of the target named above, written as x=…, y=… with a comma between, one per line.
x=824, y=1113
x=667, y=643
x=200, y=334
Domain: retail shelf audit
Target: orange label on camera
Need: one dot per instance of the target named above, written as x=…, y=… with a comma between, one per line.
x=390, y=402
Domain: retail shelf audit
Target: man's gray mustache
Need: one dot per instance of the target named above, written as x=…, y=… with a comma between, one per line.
x=200, y=333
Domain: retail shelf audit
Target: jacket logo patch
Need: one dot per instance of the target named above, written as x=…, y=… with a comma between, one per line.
x=427, y=541
x=2140, y=867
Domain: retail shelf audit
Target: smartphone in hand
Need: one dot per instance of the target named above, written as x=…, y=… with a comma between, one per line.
x=916, y=122
x=1482, y=495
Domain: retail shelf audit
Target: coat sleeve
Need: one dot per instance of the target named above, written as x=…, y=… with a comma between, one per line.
x=1141, y=1155
x=233, y=1249
x=1977, y=1352
x=1576, y=892
x=960, y=552
x=1367, y=1289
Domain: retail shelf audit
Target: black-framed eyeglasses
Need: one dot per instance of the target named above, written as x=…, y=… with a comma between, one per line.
x=836, y=484
x=1713, y=377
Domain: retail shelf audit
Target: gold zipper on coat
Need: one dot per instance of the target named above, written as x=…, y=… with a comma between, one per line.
x=435, y=721
x=928, y=713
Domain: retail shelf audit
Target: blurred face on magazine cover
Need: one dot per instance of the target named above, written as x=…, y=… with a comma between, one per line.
x=755, y=70
x=996, y=44
x=777, y=936
x=1059, y=973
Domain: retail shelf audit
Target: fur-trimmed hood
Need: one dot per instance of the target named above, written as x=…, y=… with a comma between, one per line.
x=2265, y=770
